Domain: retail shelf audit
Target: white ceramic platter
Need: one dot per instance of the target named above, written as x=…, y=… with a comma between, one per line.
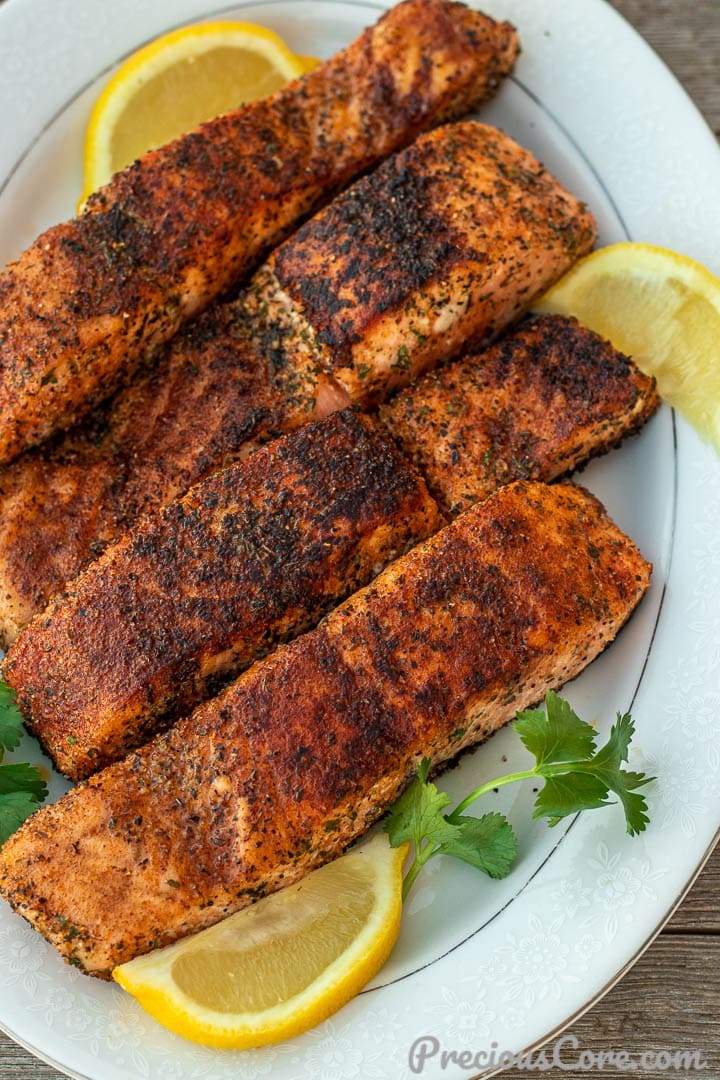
x=479, y=963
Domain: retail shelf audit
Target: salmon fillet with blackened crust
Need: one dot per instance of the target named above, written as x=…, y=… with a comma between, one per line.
x=311, y=745
x=154, y=626
x=252, y=556
x=208, y=402
x=114, y=657
x=536, y=405
x=93, y=297
x=380, y=277
x=447, y=241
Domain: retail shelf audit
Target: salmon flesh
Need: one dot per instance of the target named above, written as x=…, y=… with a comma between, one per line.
x=445, y=243
x=95, y=297
x=253, y=555
x=299, y=756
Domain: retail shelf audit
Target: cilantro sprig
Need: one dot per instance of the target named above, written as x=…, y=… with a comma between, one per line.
x=22, y=786
x=576, y=776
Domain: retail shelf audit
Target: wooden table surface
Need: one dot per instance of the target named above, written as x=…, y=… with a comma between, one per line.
x=670, y=998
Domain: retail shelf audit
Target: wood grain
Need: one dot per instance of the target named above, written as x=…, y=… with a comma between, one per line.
x=666, y=1002
x=686, y=34
x=669, y=999
x=700, y=912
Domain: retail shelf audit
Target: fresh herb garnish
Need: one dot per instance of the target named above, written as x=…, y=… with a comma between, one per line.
x=576, y=776
x=21, y=785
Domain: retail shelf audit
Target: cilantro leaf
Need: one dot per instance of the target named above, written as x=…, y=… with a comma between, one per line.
x=635, y=806
x=487, y=842
x=417, y=814
x=568, y=794
x=607, y=767
x=615, y=750
x=11, y=722
x=576, y=776
x=14, y=809
x=22, y=786
x=558, y=734
x=22, y=777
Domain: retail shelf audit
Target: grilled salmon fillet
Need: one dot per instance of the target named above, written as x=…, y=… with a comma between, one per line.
x=447, y=246
x=465, y=208
x=93, y=297
x=211, y=400
x=253, y=555
x=541, y=401
x=536, y=405
x=307, y=748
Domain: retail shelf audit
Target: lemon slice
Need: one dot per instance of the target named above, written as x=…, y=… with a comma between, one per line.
x=309, y=63
x=662, y=309
x=177, y=81
x=283, y=965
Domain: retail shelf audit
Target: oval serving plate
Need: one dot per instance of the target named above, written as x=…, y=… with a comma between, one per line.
x=478, y=962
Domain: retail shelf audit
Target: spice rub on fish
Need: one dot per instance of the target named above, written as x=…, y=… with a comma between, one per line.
x=536, y=405
x=541, y=401
x=210, y=401
x=491, y=217
x=252, y=556
x=446, y=243
x=311, y=745
x=95, y=296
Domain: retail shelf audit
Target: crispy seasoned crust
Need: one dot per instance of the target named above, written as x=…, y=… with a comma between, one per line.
x=441, y=245
x=247, y=371
x=251, y=556
x=537, y=404
x=306, y=749
x=219, y=392
x=223, y=387
x=60, y=505
x=91, y=298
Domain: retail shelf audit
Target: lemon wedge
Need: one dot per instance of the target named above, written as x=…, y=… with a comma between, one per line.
x=282, y=965
x=176, y=82
x=661, y=308
x=309, y=63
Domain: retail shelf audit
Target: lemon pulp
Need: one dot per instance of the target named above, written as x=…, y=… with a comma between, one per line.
x=194, y=89
x=279, y=962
